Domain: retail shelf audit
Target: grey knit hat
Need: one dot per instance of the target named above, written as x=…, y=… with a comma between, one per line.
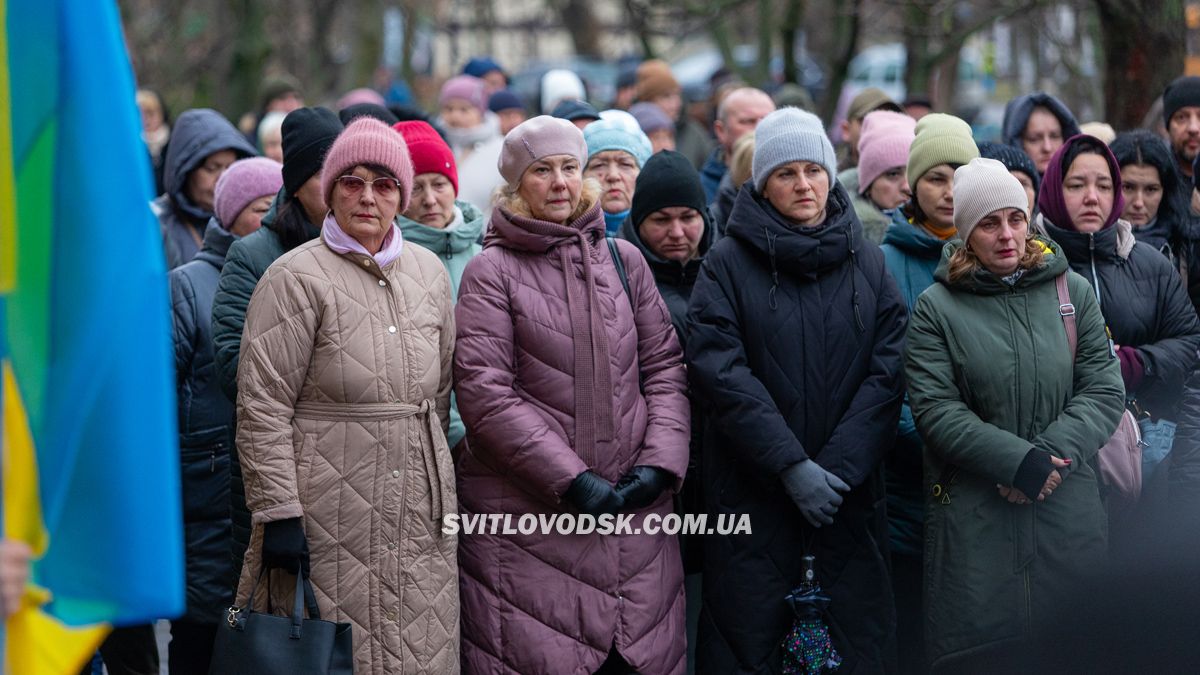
x=790, y=135
x=981, y=187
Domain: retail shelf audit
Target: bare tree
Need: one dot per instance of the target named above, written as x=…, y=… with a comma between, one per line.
x=1144, y=44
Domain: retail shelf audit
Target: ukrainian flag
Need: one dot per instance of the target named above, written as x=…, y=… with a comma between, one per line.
x=90, y=457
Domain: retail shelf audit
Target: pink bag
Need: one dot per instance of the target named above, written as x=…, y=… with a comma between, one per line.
x=1120, y=459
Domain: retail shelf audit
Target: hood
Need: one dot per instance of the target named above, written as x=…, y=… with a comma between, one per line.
x=459, y=236
x=217, y=241
x=670, y=271
x=197, y=134
x=1016, y=116
x=511, y=231
x=800, y=251
x=1156, y=233
x=1111, y=244
x=984, y=282
x=1050, y=199
x=912, y=239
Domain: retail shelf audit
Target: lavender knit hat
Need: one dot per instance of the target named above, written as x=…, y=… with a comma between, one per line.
x=883, y=145
x=539, y=137
x=244, y=181
x=470, y=89
x=368, y=141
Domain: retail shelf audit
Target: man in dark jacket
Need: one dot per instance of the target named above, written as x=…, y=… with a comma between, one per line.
x=206, y=415
x=794, y=346
x=203, y=144
x=737, y=115
x=295, y=218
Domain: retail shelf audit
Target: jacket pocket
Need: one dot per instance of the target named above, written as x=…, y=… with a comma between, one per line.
x=204, y=472
x=305, y=444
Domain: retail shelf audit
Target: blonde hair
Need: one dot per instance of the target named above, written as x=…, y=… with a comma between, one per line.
x=506, y=196
x=741, y=159
x=964, y=263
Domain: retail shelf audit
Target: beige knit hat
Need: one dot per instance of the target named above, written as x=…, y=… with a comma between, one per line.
x=982, y=187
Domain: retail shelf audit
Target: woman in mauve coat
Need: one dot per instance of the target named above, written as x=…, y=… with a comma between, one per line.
x=573, y=395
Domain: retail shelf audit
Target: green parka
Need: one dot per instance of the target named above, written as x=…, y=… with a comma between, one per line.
x=990, y=378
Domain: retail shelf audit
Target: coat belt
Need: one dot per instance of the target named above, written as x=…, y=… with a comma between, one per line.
x=441, y=487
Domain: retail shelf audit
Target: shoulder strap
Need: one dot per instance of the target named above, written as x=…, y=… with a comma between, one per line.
x=1067, y=311
x=619, y=262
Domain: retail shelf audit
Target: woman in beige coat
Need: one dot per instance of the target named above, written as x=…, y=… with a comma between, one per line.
x=343, y=393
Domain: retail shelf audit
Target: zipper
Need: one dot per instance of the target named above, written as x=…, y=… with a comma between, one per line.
x=1112, y=346
x=212, y=461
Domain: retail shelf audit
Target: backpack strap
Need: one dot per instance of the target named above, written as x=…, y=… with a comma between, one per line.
x=619, y=262
x=1067, y=311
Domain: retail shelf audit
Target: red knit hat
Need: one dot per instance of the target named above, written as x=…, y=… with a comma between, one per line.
x=428, y=150
x=368, y=141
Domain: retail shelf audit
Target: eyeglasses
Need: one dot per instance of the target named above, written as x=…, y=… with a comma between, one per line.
x=382, y=186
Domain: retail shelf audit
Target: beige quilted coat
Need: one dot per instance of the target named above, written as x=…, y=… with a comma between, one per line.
x=343, y=393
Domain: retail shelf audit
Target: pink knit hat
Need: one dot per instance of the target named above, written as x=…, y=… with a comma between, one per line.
x=883, y=145
x=368, y=141
x=244, y=181
x=539, y=137
x=470, y=89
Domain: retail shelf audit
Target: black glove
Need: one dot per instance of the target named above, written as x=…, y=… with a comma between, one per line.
x=284, y=546
x=642, y=486
x=592, y=494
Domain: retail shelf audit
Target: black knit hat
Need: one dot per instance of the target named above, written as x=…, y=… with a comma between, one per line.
x=667, y=180
x=1184, y=91
x=307, y=135
x=353, y=112
x=1013, y=159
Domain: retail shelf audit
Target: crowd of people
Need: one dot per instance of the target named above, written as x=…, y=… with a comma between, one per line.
x=901, y=357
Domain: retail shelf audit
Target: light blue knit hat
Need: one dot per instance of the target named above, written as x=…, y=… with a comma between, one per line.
x=790, y=135
x=617, y=130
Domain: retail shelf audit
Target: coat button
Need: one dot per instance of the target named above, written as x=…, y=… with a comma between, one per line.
x=391, y=546
x=367, y=263
x=395, y=474
x=391, y=329
x=382, y=282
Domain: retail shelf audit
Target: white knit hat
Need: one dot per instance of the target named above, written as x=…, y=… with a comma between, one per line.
x=790, y=135
x=982, y=187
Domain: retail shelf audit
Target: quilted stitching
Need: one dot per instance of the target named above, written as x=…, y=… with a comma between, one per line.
x=318, y=331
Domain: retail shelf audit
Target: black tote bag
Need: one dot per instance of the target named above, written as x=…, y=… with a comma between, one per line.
x=257, y=643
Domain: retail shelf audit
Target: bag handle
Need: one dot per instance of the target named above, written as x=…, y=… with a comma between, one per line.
x=1067, y=311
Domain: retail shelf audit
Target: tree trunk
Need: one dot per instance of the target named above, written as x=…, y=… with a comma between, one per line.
x=1144, y=44
x=411, y=17
x=580, y=22
x=250, y=51
x=762, y=67
x=846, y=24
x=791, y=28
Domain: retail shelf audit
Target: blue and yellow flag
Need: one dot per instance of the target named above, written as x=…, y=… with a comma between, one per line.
x=90, y=455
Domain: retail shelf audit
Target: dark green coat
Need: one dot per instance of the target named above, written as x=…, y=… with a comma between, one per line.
x=990, y=378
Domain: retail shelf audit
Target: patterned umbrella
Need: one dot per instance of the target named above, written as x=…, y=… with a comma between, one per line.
x=807, y=650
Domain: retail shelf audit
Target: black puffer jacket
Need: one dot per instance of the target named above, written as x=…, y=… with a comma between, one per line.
x=1184, y=473
x=795, y=346
x=205, y=431
x=1144, y=305
x=675, y=282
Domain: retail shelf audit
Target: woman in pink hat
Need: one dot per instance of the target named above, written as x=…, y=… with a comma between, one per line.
x=343, y=401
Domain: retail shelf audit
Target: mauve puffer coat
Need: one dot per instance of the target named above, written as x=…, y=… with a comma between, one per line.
x=557, y=603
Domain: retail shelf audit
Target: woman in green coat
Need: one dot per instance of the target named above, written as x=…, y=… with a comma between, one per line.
x=1011, y=429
